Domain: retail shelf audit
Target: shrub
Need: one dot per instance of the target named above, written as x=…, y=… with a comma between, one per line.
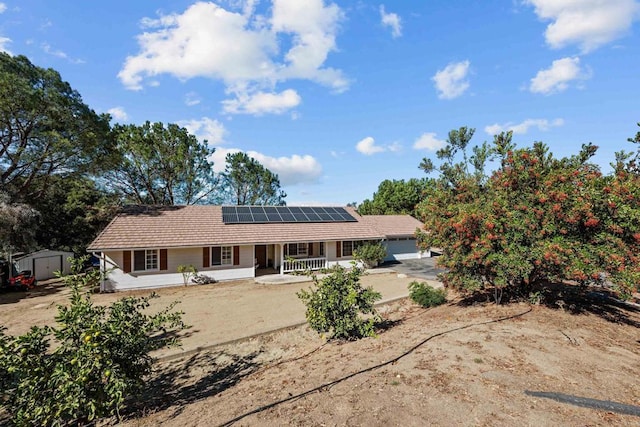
x=337, y=304
x=370, y=254
x=188, y=272
x=426, y=295
x=100, y=357
x=203, y=279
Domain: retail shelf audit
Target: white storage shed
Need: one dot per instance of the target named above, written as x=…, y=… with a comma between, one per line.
x=43, y=264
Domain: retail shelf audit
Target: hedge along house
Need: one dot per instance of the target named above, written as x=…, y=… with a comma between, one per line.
x=143, y=246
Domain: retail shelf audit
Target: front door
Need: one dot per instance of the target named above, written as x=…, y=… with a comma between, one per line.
x=261, y=256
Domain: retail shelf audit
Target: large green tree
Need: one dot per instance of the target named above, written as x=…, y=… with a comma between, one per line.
x=161, y=165
x=45, y=129
x=536, y=218
x=395, y=197
x=247, y=182
x=74, y=210
x=17, y=226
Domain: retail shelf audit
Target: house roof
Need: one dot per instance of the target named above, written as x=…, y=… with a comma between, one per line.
x=393, y=225
x=201, y=225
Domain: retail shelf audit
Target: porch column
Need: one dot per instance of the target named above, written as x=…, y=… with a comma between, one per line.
x=281, y=258
x=326, y=255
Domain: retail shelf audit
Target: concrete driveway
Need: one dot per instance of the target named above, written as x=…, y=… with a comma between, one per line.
x=424, y=268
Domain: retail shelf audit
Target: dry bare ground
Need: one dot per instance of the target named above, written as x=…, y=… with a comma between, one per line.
x=573, y=360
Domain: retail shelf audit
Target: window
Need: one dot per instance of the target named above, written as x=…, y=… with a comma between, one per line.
x=296, y=249
x=321, y=249
x=145, y=260
x=303, y=249
x=291, y=249
x=222, y=255
x=347, y=248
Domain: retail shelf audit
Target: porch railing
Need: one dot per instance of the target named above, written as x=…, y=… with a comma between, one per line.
x=304, y=264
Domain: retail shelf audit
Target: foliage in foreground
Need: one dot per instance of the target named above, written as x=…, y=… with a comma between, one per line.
x=425, y=295
x=536, y=218
x=371, y=254
x=337, y=304
x=99, y=357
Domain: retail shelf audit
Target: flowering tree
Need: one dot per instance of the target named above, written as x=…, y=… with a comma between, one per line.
x=536, y=218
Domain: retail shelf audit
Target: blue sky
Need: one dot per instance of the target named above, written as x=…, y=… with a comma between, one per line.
x=337, y=96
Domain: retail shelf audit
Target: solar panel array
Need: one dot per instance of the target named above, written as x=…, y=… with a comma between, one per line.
x=279, y=214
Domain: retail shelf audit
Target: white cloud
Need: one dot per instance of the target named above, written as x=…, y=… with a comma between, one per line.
x=451, y=82
x=523, y=127
x=191, y=99
x=392, y=21
x=218, y=157
x=118, y=114
x=292, y=170
x=395, y=147
x=586, y=23
x=250, y=53
x=262, y=102
x=206, y=129
x=368, y=147
x=428, y=141
x=557, y=77
x=46, y=47
x=3, y=7
x=4, y=41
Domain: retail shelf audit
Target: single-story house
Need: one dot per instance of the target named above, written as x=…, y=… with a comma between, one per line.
x=143, y=246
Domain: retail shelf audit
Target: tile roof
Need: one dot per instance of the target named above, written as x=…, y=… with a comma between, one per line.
x=201, y=225
x=393, y=225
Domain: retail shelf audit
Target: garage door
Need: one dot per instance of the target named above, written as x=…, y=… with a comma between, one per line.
x=46, y=267
x=402, y=249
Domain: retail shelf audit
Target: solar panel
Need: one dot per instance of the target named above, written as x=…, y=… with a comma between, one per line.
x=243, y=209
x=311, y=214
x=260, y=217
x=274, y=217
x=283, y=214
x=287, y=217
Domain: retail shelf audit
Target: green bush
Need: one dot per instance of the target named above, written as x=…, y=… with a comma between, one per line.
x=370, y=253
x=337, y=304
x=99, y=357
x=426, y=295
x=188, y=272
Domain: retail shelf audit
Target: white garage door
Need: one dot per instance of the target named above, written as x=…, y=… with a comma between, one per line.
x=46, y=267
x=402, y=249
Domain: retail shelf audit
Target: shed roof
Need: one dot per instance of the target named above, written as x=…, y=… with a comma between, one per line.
x=201, y=225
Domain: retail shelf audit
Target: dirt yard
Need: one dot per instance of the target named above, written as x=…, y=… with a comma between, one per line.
x=572, y=360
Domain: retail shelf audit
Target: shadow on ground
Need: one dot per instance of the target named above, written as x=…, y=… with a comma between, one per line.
x=180, y=383
x=13, y=296
x=574, y=299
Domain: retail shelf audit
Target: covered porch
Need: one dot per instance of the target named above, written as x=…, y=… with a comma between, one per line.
x=290, y=257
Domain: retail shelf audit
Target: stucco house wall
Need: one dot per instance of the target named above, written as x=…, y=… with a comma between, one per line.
x=117, y=279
